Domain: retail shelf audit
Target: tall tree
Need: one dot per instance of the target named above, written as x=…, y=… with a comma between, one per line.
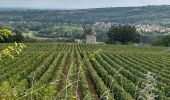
x=124, y=34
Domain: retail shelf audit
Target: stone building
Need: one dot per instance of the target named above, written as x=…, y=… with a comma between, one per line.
x=90, y=35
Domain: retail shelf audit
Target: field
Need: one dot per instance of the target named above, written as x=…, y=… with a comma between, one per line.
x=55, y=71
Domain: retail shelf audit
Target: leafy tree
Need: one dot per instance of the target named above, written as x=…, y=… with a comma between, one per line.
x=10, y=50
x=5, y=33
x=162, y=41
x=123, y=34
x=13, y=38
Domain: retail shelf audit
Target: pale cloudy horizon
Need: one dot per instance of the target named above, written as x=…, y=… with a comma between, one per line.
x=78, y=4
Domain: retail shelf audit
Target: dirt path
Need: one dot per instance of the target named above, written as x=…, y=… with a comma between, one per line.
x=56, y=68
x=80, y=93
x=63, y=81
x=77, y=88
x=91, y=85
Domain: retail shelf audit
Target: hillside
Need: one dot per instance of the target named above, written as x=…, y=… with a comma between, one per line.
x=124, y=15
x=78, y=71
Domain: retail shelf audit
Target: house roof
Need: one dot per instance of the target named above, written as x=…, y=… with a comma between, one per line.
x=90, y=31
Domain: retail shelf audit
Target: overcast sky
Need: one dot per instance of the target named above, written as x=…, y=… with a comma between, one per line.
x=74, y=4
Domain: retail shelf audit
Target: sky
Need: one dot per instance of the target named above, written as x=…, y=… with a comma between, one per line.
x=78, y=4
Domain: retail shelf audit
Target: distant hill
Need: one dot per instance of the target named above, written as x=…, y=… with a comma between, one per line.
x=122, y=15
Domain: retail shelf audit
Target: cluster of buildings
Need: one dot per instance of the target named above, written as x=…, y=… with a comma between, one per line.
x=145, y=28
x=102, y=25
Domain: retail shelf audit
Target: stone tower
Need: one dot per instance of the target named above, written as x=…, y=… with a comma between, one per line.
x=90, y=35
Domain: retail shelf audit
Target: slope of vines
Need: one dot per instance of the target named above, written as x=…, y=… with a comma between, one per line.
x=72, y=71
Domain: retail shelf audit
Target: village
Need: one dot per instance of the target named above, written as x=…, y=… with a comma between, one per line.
x=142, y=28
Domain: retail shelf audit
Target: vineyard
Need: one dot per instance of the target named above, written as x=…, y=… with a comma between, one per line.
x=70, y=71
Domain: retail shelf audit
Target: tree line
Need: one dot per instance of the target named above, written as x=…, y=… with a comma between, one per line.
x=117, y=34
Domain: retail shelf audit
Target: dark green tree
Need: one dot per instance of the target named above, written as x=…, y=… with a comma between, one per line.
x=163, y=40
x=16, y=37
x=124, y=34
